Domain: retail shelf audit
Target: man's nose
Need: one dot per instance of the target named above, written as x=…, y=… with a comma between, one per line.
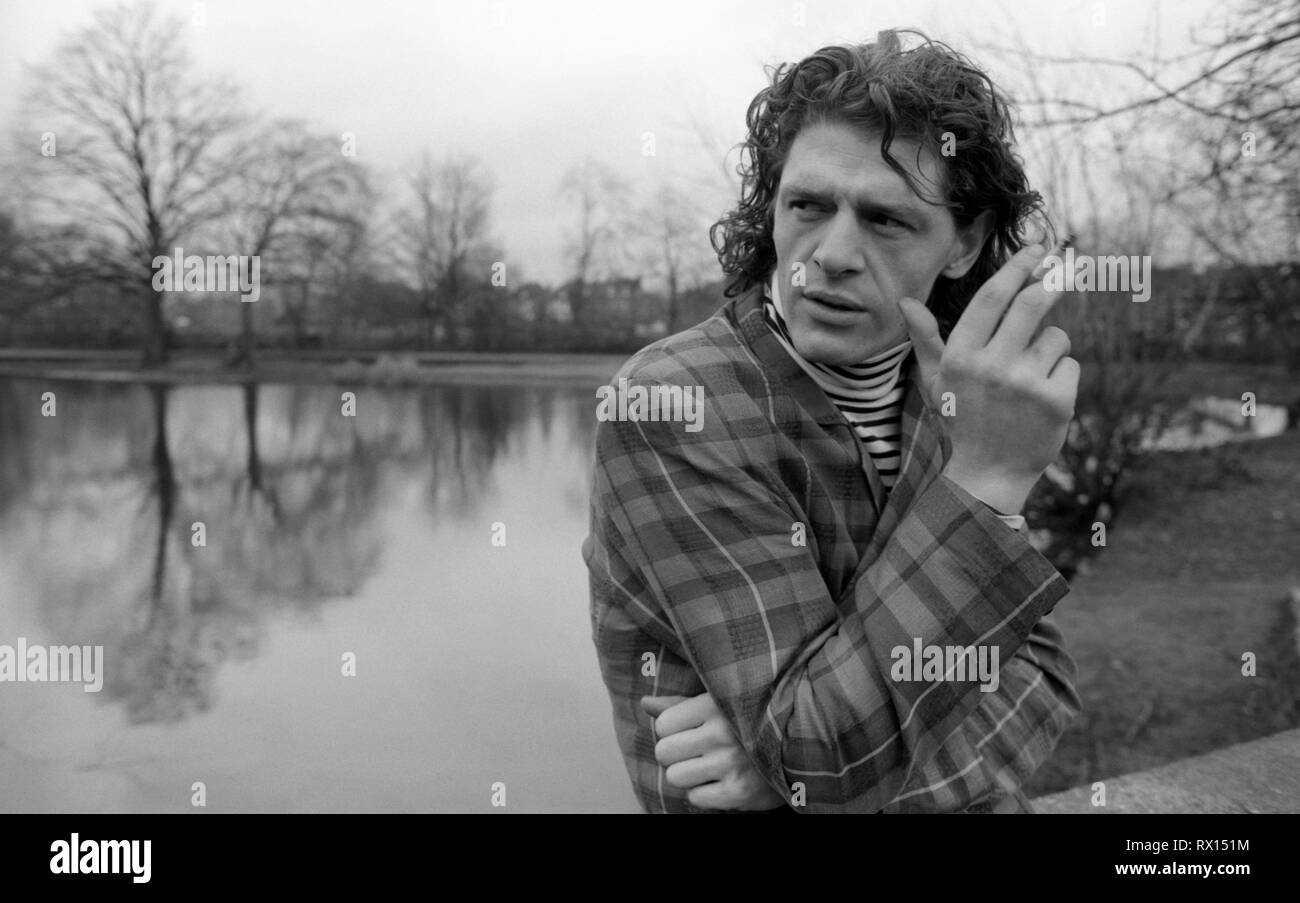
x=841, y=250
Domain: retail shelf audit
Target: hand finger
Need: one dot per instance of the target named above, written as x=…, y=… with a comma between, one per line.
x=1063, y=386
x=981, y=316
x=923, y=329
x=715, y=795
x=1052, y=258
x=1064, y=378
x=686, y=714
x=654, y=706
x=1023, y=318
x=683, y=745
x=726, y=795
x=1052, y=344
x=697, y=770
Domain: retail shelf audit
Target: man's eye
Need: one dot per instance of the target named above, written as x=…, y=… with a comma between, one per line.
x=805, y=206
x=889, y=222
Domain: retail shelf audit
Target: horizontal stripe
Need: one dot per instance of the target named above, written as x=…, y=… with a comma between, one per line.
x=869, y=395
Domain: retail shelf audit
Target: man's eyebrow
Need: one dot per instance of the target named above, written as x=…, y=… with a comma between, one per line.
x=816, y=191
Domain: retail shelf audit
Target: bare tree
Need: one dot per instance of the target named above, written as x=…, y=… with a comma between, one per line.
x=1245, y=74
x=352, y=253
x=1211, y=142
x=444, y=238
x=143, y=151
x=1231, y=106
x=296, y=202
x=601, y=197
x=676, y=245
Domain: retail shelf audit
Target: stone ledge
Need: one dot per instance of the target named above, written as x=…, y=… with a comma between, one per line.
x=1255, y=777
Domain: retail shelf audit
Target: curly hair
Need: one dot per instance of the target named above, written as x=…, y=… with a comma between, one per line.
x=918, y=94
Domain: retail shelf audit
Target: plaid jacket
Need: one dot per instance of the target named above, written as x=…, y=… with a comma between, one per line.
x=754, y=558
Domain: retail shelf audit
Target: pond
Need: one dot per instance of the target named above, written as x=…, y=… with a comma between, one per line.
x=306, y=604
x=238, y=550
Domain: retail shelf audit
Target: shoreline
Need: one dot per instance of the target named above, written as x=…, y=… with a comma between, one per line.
x=1271, y=383
x=367, y=368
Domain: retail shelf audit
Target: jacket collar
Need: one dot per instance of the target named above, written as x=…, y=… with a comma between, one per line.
x=924, y=447
x=777, y=363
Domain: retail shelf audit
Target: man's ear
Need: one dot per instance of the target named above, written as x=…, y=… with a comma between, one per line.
x=970, y=241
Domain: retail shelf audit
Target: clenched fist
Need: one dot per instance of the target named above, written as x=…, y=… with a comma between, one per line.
x=702, y=756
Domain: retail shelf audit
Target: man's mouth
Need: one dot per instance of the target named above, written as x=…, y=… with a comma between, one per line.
x=835, y=302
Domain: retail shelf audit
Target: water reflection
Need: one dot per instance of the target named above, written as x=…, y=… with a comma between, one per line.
x=1209, y=421
x=227, y=545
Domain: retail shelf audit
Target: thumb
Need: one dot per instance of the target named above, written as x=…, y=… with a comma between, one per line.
x=654, y=706
x=923, y=329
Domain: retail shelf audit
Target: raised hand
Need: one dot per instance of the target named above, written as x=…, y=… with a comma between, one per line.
x=1012, y=394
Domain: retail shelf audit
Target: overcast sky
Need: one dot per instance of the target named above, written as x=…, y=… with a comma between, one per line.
x=530, y=87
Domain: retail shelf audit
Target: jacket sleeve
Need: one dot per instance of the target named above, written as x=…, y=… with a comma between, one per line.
x=704, y=525
x=1008, y=736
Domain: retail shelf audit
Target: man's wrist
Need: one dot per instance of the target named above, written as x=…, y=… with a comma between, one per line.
x=1005, y=495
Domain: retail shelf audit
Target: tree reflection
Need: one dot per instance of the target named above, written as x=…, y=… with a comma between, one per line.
x=15, y=468
x=468, y=429
x=164, y=486
x=289, y=494
x=166, y=667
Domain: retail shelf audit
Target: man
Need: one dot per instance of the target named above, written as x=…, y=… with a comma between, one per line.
x=852, y=485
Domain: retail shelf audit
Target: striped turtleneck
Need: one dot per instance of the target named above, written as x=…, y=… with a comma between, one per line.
x=869, y=394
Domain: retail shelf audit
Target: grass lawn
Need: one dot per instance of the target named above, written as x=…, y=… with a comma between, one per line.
x=1196, y=572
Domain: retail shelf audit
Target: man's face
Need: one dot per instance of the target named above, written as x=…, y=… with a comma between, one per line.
x=865, y=240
